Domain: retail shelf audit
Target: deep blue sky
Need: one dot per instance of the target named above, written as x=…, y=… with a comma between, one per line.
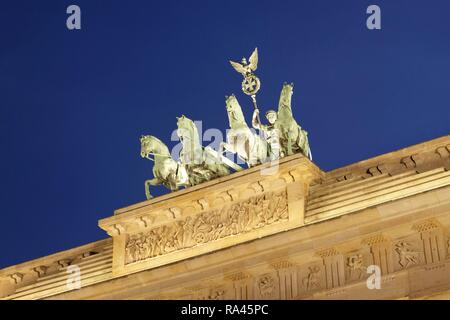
x=73, y=104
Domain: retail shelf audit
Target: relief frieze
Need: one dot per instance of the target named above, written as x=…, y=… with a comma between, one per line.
x=233, y=219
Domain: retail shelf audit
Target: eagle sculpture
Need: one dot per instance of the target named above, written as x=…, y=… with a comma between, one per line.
x=245, y=68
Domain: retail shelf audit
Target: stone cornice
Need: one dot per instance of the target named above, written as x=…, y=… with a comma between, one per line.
x=54, y=258
x=439, y=147
x=209, y=195
x=304, y=164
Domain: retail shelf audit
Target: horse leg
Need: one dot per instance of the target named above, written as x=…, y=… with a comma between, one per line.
x=289, y=143
x=222, y=148
x=148, y=183
x=225, y=146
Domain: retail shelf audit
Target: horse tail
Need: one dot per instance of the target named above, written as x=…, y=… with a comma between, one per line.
x=305, y=145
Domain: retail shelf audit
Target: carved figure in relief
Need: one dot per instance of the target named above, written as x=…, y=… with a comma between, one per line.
x=217, y=295
x=234, y=219
x=406, y=255
x=266, y=286
x=357, y=269
x=311, y=281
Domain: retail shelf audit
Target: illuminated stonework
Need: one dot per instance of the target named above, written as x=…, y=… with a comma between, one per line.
x=299, y=233
x=231, y=220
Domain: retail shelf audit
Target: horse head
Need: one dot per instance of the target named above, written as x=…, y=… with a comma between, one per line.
x=146, y=146
x=286, y=96
x=187, y=130
x=152, y=145
x=234, y=110
x=189, y=137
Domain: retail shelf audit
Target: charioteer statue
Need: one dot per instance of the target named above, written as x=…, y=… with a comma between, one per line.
x=270, y=131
